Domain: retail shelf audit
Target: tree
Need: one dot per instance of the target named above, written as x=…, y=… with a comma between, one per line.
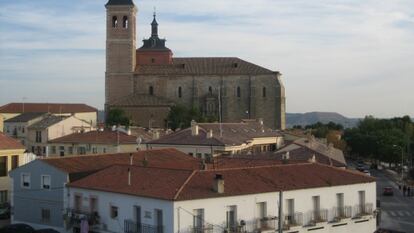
x=117, y=116
x=181, y=117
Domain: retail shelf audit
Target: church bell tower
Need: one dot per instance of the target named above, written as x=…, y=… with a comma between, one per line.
x=120, y=49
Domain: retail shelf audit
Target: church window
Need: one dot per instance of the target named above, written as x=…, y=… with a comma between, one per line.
x=114, y=22
x=238, y=92
x=210, y=90
x=264, y=92
x=125, y=22
x=179, y=92
x=151, y=90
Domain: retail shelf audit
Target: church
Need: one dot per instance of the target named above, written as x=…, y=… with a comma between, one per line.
x=146, y=82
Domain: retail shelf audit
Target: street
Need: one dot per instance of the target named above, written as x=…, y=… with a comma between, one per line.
x=397, y=211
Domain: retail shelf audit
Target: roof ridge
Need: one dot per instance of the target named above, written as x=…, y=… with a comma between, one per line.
x=183, y=185
x=257, y=167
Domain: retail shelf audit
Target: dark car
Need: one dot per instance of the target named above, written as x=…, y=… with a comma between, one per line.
x=17, y=228
x=47, y=231
x=388, y=191
x=4, y=211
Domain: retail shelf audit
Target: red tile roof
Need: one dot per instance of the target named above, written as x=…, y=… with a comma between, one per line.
x=175, y=184
x=46, y=107
x=97, y=137
x=8, y=143
x=77, y=166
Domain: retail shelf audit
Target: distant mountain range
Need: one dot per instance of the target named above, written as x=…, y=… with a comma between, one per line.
x=309, y=118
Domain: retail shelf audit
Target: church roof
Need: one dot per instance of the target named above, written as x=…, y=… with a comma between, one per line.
x=119, y=2
x=142, y=100
x=204, y=66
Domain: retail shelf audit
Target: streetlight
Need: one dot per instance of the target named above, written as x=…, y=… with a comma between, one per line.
x=402, y=161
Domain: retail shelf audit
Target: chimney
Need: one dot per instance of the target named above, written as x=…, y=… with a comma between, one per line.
x=218, y=183
x=210, y=133
x=129, y=176
x=156, y=135
x=130, y=159
x=194, y=128
x=313, y=159
x=129, y=132
x=260, y=121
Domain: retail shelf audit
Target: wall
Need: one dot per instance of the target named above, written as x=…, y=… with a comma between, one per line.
x=28, y=203
x=90, y=117
x=125, y=204
x=100, y=148
x=215, y=208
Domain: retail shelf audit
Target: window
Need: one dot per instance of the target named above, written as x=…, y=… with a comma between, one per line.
x=104, y=150
x=361, y=195
x=316, y=207
x=45, y=180
x=114, y=212
x=81, y=150
x=38, y=136
x=264, y=92
x=261, y=210
x=3, y=196
x=44, y=150
x=340, y=205
x=198, y=219
x=23, y=129
x=114, y=22
x=93, y=204
x=152, y=60
x=231, y=218
x=158, y=219
x=70, y=150
x=179, y=92
x=151, y=90
x=125, y=22
x=137, y=214
x=238, y=92
x=25, y=179
x=33, y=149
x=94, y=150
x=3, y=166
x=210, y=90
x=78, y=202
x=45, y=215
x=15, y=162
x=53, y=149
x=290, y=216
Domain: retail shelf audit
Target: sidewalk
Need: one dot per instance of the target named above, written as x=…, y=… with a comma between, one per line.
x=396, y=178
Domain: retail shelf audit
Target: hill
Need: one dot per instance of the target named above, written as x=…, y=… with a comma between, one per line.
x=323, y=117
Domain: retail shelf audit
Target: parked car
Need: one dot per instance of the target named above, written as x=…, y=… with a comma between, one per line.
x=388, y=191
x=366, y=172
x=5, y=211
x=48, y=230
x=17, y=228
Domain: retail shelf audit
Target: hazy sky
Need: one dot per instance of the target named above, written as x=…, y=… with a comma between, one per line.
x=349, y=56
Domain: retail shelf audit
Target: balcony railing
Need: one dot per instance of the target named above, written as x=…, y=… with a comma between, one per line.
x=203, y=229
x=340, y=213
x=133, y=227
x=293, y=220
x=77, y=215
x=363, y=210
x=266, y=223
x=318, y=216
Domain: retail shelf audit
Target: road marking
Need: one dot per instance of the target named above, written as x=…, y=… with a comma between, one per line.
x=407, y=213
x=392, y=213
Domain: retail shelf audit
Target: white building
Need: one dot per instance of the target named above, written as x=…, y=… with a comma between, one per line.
x=315, y=197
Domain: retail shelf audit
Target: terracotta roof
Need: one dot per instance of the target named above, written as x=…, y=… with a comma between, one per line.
x=86, y=164
x=181, y=185
x=142, y=100
x=25, y=117
x=97, y=137
x=8, y=143
x=231, y=134
x=297, y=154
x=46, y=107
x=204, y=66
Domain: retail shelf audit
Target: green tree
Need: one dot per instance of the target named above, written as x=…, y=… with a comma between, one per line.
x=117, y=116
x=181, y=117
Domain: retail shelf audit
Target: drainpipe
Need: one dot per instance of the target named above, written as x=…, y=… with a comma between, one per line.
x=280, y=211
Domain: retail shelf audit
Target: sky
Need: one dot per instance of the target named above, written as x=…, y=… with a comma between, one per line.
x=348, y=56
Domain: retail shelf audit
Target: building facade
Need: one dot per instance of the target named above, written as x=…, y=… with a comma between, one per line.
x=12, y=155
x=146, y=82
x=233, y=200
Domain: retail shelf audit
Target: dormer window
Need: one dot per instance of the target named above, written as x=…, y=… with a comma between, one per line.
x=125, y=22
x=114, y=22
x=151, y=90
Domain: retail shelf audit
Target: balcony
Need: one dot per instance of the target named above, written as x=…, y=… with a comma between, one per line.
x=340, y=213
x=75, y=217
x=202, y=229
x=266, y=224
x=292, y=220
x=363, y=210
x=315, y=217
x=133, y=227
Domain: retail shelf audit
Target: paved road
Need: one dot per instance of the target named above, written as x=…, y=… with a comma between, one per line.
x=397, y=212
